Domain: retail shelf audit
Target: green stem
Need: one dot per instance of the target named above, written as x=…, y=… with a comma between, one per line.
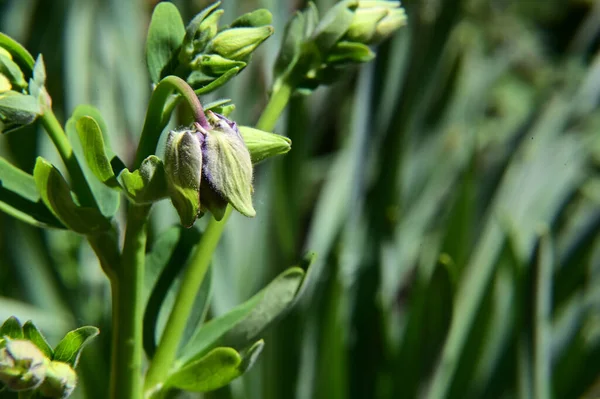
x=199, y=263
x=156, y=120
x=190, y=283
x=275, y=107
x=128, y=311
x=59, y=138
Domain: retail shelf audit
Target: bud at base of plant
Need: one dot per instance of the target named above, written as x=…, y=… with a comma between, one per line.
x=60, y=381
x=22, y=365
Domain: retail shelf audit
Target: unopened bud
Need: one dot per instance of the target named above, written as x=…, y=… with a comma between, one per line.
x=11, y=71
x=22, y=365
x=238, y=43
x=60, y=381
x=227, y=166
x=183, y=169
x=263, y=145
x=260, y=17
x=391, y=23
x=215, y=65
x=375, y=20
x=201, y=29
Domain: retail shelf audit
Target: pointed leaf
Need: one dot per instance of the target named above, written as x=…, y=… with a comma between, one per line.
x=215, y=84
x=92, y=142
x=245, y=322
x=34, y=335
x=12, y=71
x=146, y=184
x=57, y=196
x=69, y=348
x=16, y=110
x=262, y=145
x=11, y=328
x=215, y=370
x=165, y=35
x=20, y=55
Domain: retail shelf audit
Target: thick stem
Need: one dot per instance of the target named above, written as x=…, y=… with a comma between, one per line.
x=155, y=118
x=198, y=265
x=128, y=311
x=59, y=138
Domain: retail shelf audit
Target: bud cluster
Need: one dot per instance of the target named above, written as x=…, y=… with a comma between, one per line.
x=210, y=55
x=315, y=52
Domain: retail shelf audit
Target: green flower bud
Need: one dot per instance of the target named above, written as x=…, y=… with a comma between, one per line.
x=215, y=65
x=263, y=145
x=391, y=23
x=238, y=43
x=183, y=169
x=22, y=365
x=60, y=381
x=201, y=29
x=227, y=167
x=12, y=71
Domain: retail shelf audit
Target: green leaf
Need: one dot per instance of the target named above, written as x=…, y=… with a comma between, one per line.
x=215, y=370
x=57, y=196
x=146, y=184
x=85, y=146
x=245, y=322
x=19, y=197
x=11, y=328
x=260, y=17
x=34, y=335
x=20, y=54
x=263, y=145
x=92, y=142
x=334, y=25
x=215, y=84
x=16, y=110
x=165, y=35
x=215, y=65
x=37, y=83
x=222, y=107
x=69, y=348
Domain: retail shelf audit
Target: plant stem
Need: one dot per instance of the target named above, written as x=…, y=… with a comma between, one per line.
x=128, y=311
x=59, y=138
x=275, y=107
x=198, y=265
x=156, y=120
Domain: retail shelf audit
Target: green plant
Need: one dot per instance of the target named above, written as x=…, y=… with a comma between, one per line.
x=204, y=167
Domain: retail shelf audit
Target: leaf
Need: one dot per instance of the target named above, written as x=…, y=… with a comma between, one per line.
x=12, y=71
x=350, y=52
x=106, y=197
x=16, y=110
x=215, y=370
x=215, y=84
x=165, y=35
x=57, y=196
x=245, y=322
x=11, y=328
x=34, y=335
x=222, y=107
x=17, y=181
x=37, y=83
x=146, y=184
x=92, y=142
x=69, y=348
x=262, y=145
x=333, y=25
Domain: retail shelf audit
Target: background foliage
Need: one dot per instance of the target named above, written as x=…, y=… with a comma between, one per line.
x=449, y=188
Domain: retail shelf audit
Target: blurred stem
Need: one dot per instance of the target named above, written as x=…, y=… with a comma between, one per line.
x=157, y=119
x=128, y=309
x=59, y=138
x=198, y=266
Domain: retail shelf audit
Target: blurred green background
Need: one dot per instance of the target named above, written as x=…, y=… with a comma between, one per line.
x=450, y=189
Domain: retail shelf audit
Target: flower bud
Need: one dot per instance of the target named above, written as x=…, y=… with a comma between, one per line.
x=201, y=29
x=238, y=43
x=215, y=65
x=391, y=23
x=60, y=381
x=227, y=167
x=11, y=70
x=183, y=169
x=260, y=17
x=22, y=365
x=4, y=84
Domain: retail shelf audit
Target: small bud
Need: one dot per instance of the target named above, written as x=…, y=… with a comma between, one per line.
x=183, y=169
x=215, y=65
x=60, y=381
x=12, y=71
x=4, y=84
x=201, y=29
x=365, y=23
x=22, y=365
x=391, y=23
x=238, y=43
x=375, y=20
x=263, y=145
x=227, y=166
